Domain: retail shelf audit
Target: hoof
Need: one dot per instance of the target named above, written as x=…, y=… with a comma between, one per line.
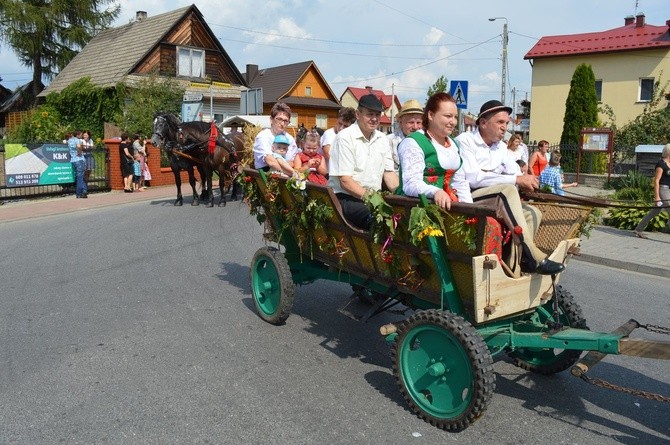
x=210, y=204
x=222, y=204
x=178, y=203
x=195, y=203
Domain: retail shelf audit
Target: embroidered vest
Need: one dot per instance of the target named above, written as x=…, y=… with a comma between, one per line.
x=433, y=172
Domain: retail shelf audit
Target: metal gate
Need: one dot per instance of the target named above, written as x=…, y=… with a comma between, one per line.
x=98, y=180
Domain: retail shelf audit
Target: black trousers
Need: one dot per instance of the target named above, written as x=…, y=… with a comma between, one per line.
x=355, y=211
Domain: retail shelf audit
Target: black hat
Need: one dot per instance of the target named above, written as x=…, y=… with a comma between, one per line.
x=371, y=102
x=492, y=107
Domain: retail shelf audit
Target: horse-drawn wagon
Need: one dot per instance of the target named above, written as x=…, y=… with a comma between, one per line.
x=451, y=269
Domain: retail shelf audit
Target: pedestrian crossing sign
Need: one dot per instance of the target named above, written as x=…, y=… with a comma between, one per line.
x=459, y=90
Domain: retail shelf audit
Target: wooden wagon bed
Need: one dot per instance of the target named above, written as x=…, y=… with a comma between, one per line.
x=484, y=289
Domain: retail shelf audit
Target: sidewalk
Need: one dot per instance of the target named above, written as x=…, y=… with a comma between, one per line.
x=606, y=246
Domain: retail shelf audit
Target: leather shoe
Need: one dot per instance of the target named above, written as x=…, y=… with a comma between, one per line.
x=549, y=267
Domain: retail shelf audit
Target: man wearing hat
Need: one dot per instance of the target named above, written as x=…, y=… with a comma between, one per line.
x=360, y=158
x=409, y=120
x=491, y=170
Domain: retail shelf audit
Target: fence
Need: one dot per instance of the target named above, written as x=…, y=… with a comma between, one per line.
x=593, y=163
x=98, y=179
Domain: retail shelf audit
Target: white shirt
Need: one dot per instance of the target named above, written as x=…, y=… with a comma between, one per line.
x=394, y=140
x=327, y=138
x=486, y=165
x=263, y=147
x=413, y=164
x=365, y=160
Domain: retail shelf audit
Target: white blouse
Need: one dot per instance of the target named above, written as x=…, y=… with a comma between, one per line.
x=413, y=164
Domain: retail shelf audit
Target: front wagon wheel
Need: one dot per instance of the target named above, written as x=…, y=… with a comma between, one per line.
x=443, y=368
x=272, y=285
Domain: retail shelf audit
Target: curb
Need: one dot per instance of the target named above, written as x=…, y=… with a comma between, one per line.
x=625, y=265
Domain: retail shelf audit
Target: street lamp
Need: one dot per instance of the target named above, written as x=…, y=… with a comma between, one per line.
x=504, y=57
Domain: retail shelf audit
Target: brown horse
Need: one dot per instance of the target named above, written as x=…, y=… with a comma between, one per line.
x=187, y=146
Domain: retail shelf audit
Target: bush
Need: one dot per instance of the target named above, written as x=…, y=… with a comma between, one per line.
x=638, y=189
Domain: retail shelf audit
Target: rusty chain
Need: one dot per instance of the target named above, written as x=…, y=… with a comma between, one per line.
x=655, y=328
x=636, y=392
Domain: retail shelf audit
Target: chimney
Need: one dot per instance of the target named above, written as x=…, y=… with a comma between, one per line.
x=667, y=23
x=639, y=20
x=369, y=88
x=140, y=15
x=628, y=20
x=252, y=73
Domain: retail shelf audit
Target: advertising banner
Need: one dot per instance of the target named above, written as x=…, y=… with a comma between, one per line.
x=45, y=164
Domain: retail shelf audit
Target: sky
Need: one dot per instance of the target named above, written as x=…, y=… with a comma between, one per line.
x=400, y=47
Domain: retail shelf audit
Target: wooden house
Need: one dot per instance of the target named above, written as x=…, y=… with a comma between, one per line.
x=177, y=44
x=302, y=87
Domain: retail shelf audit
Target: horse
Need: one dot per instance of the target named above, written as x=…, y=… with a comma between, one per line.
x=187, y=146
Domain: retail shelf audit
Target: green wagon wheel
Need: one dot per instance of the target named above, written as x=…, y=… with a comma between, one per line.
x=272, y=285
x=443, y=368
x=545, y=360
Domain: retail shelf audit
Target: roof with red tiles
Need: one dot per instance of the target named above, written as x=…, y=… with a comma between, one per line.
x=634, y=35
x=386, y=99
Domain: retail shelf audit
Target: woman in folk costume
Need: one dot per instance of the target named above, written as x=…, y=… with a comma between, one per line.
x=429, y=159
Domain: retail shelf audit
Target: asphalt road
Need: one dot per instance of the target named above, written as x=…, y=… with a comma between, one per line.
x=134, y=324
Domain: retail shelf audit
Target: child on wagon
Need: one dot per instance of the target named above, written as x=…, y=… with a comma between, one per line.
x=309, y=161
x=279, y=149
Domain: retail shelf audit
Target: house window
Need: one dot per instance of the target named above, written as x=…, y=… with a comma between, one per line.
x=646, y=90
x=322, y=121
x=599, y=90
x=308, y=91
x=190, y=62
x=294, y=120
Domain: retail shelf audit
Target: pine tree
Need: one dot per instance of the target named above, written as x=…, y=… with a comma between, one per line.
x=581, y=106
x=46, y=34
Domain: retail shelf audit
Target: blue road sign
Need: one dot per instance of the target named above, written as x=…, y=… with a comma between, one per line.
x=459, y=90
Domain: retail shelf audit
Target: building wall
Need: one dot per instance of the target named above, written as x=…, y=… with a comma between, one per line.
x=159, y=175
x=619, y=72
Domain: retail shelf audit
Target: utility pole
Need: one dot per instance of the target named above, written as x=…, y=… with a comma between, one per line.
x=505, y=37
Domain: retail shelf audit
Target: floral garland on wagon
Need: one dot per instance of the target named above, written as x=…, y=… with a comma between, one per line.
x=303, y=219
x=423, y=222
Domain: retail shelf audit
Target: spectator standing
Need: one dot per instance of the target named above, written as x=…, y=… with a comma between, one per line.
x=518, y=150
x=280, y=116
x=345, y=117
x=360, y=159
x=137, y=172
x=87, y=147
x=661, y=191
x=127, y=162
x=538, y=160
x=409, y=121
x=78, y=161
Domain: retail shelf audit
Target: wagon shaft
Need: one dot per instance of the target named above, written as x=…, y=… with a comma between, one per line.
x=625, y=346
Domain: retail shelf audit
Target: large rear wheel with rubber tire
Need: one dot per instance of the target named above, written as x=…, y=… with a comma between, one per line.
x=550, y=361
x=272, y=285
x=443, y=368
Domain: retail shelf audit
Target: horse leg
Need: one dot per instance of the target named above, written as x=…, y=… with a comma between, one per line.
x=223, y=177
x=209, y=173
x=191, y=180
x=235, y=190
x=177, y=181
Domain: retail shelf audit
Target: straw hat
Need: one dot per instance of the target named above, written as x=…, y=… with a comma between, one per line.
x=411, y=106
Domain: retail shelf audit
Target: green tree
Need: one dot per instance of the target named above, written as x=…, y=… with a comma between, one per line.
x=440, y=86
x=146, y=97
x=46, y=34
x=581, y=106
